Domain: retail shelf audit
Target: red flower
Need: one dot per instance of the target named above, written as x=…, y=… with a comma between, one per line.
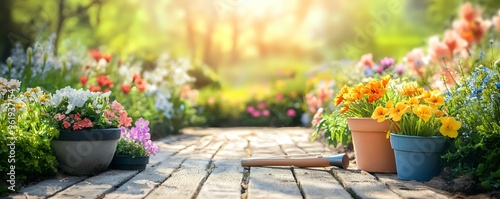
x=125, y=88
x=98, y=55
x=141, y=84
x=84, y=80
x=107, y=57
x=135, y=76
x=66, y=124
x=102, y=80
x=95, y=88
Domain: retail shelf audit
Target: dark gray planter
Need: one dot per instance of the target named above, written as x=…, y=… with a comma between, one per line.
x=127, y=162
x=85, y=152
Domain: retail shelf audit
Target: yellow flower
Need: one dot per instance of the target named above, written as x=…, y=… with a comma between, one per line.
x=385, y=80
x=423, y=111
x=440, y=113
x=344, y=109
x=435, y=101
x=389, y=104
x=379, y=113
x=449, y=127
x=18, y=106
x=412, y=101
x=397, y=112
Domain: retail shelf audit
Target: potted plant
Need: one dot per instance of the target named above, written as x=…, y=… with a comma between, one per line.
x=134, y=147
x=355, y=106
x=89, y=130
x=420, y=123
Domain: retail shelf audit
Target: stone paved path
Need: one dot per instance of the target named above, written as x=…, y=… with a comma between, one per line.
x=205, y=163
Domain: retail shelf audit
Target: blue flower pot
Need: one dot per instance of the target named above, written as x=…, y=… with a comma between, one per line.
x=418, y=157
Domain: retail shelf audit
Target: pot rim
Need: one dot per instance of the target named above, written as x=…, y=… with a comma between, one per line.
x=89, y=135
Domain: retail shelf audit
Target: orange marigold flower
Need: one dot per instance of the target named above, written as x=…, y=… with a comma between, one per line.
x=339, y=97
x=344, y=109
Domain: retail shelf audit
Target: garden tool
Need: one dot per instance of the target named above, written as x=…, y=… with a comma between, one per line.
x=307, y=160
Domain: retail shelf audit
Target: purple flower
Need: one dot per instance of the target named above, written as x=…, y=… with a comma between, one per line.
x=291, y=112
x=400, y=69
x=140, y=135
x=386, y=62
x=142, y=124
x=380, y=69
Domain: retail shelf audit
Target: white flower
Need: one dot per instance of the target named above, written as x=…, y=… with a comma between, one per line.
x=14, y=84
x=70, y=108
x=106, y=94
x=162, y=103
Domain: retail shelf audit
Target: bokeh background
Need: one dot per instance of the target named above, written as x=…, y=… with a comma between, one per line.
x=242, y=54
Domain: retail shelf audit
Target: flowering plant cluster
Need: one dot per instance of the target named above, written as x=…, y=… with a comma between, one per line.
x=357, y=101
x=362, y=99
x=74, y=109
x=136, y=141
x=23, y=126
x=476, y=151
x=417, y=112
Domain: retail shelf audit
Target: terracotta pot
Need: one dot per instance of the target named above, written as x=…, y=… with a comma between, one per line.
x=85, y=152
x=372, y=149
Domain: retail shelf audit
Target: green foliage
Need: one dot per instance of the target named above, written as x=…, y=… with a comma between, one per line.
x=25, y=136
x=334, y=128
x=476, y=104
x=130, y=147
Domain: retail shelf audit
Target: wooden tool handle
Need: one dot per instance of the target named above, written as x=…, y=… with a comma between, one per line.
x=298, y=162
x=339, y=160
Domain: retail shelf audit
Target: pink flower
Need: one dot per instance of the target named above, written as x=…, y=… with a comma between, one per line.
x=366, y=61
x=109, y=115
x=116, y=106
x=290, y=112
x=250, y=109
x=415, y=61
x=471, y=27
x=76, y=117
x=496, y=20
x=265, y=112
x=86, y=123
x=438, y=50
x=261, y=105
x=211, y=100
x=66, y=124
x=312, y=102
x=124, y=119
x=255, y=114
x=279, y=96
x=323, y=94
x=454, y=42
x=59, y=117
x=317, y=117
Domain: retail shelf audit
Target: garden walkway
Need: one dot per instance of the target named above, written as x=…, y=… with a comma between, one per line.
x=206, y=164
